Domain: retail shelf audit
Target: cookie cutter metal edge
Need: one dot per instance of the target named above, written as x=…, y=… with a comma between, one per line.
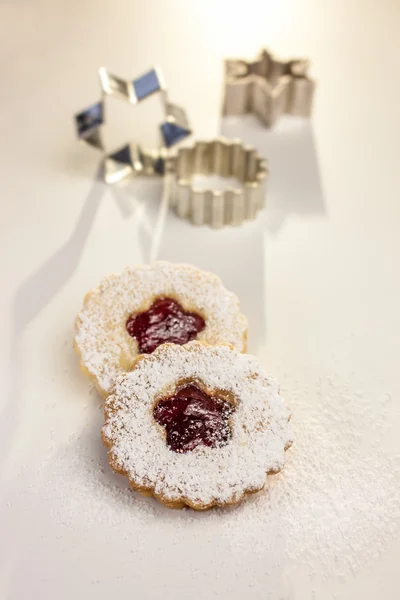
x=268, y=87
x=226, y=158
x=130, y=159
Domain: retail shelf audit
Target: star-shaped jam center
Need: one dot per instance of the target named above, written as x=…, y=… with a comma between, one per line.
x=165, y=321
x=192, y=418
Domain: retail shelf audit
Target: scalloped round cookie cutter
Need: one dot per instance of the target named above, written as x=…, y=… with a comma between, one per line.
x=224, y=158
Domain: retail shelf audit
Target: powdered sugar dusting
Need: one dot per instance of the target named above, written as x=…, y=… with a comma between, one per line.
x=334, y=508
x=105, y=347
x=204, y=476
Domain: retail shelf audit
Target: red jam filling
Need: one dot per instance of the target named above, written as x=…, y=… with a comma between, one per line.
x=192, y=417
x=165, y=321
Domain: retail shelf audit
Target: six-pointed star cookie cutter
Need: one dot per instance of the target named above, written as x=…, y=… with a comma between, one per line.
x=132, y=158
x=268, y=87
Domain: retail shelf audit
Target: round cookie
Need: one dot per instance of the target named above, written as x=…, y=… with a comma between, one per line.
x=132, y=312
x=196, y=426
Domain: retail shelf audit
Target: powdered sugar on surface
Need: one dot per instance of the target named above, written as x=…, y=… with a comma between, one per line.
x=105, y=347
x=204, y=476
x=334, y=508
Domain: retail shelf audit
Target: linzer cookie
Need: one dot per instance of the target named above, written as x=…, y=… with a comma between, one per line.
x=133, y=312
x=196, y=425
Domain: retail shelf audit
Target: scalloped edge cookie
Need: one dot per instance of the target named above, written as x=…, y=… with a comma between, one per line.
x=105, y=348
x=204, y=477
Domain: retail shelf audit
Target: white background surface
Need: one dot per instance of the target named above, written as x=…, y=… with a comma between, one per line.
x=317, y=276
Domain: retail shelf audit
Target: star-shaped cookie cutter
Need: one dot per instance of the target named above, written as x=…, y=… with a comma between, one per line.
x=131, y=158
x=268, y=88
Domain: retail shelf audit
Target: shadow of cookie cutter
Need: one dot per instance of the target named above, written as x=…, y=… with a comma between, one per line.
x=224, y=158
x=268, y=88
x=131, y=159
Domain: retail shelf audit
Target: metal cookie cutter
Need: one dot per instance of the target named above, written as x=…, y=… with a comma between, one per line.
x=226, y=158
x=268, y=87
x=131, y=158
